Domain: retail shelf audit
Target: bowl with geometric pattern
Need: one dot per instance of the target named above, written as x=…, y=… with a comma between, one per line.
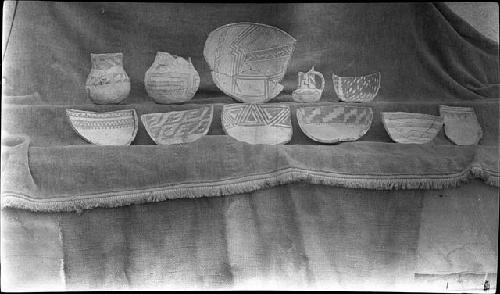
x=334, y=123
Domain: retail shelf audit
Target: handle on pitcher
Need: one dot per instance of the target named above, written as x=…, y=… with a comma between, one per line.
x=322, y=78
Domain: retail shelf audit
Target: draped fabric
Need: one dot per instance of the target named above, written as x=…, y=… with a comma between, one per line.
x=341, y=217
x=423, y=51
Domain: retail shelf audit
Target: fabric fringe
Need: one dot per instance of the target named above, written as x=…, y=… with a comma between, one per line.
x=245, y=185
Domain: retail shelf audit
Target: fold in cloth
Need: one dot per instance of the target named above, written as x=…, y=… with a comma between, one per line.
x=72, y=178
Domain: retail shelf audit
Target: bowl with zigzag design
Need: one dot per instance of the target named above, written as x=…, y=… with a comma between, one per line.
x=258, y=123
x=334, y=123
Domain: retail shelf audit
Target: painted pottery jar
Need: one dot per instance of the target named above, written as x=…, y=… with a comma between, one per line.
x=334, y=123
x=411, y=128
x=105, y=128
x=249, y=60
x=461, y=125
x=171, y=79
x=357, y=89
x=307, y=89
x=177, y=127
x=107, y=83
x=258, y=123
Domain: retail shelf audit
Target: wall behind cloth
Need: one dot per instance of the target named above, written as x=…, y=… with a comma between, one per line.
x=424, y=51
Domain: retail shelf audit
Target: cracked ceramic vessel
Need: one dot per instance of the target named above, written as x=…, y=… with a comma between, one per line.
x=307, y=89
x=334, y=123
x=171, y=79
x=178, y=127
x=249, y=60
x=461, y=125
x=258, y=123
x=357, y=89
x=107, y=83
x=105, y=128
x=411, y=128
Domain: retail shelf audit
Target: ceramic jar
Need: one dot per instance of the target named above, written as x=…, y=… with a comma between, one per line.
x=107, y=83
x=171, y=79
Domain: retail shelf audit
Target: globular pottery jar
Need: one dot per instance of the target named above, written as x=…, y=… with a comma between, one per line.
x=171, y=79
x=307, y=90
x=107, y=83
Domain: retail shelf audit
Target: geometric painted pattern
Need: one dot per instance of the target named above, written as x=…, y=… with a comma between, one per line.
x=178, y=126
x=248, y=60
x=334, y=123
x=357, y=89
x=336, y=114
x=104, y=128
x=251, y=115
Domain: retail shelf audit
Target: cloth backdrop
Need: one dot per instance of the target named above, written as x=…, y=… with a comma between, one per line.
x=371, y=214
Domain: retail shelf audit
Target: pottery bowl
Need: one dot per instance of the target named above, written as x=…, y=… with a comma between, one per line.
x=334, y=123
x=249, y=60
x=105, y=128
x=258, y=123
x=178, y=127
x=461, y=125
x=357, y=89
x=411, y=128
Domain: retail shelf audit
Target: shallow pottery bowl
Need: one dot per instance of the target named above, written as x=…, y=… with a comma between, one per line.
x=334, y=123
x=248, y=60
x=461, y=125
x=105, y=128
x=411, y=128
x=357, y=89
x=178, y=127
x=258, y=123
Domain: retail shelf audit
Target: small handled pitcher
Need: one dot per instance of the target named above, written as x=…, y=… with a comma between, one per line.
x=307, y=90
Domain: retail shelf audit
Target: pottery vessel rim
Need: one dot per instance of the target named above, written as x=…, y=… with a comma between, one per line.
x=106, y=54
x=335, y=106
x=164, y=53
x=132, y=112
x=346, y=77
x=410, y=115
x=251, y=23
x=225, y=106
x=175, y=111
x=456, y=109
